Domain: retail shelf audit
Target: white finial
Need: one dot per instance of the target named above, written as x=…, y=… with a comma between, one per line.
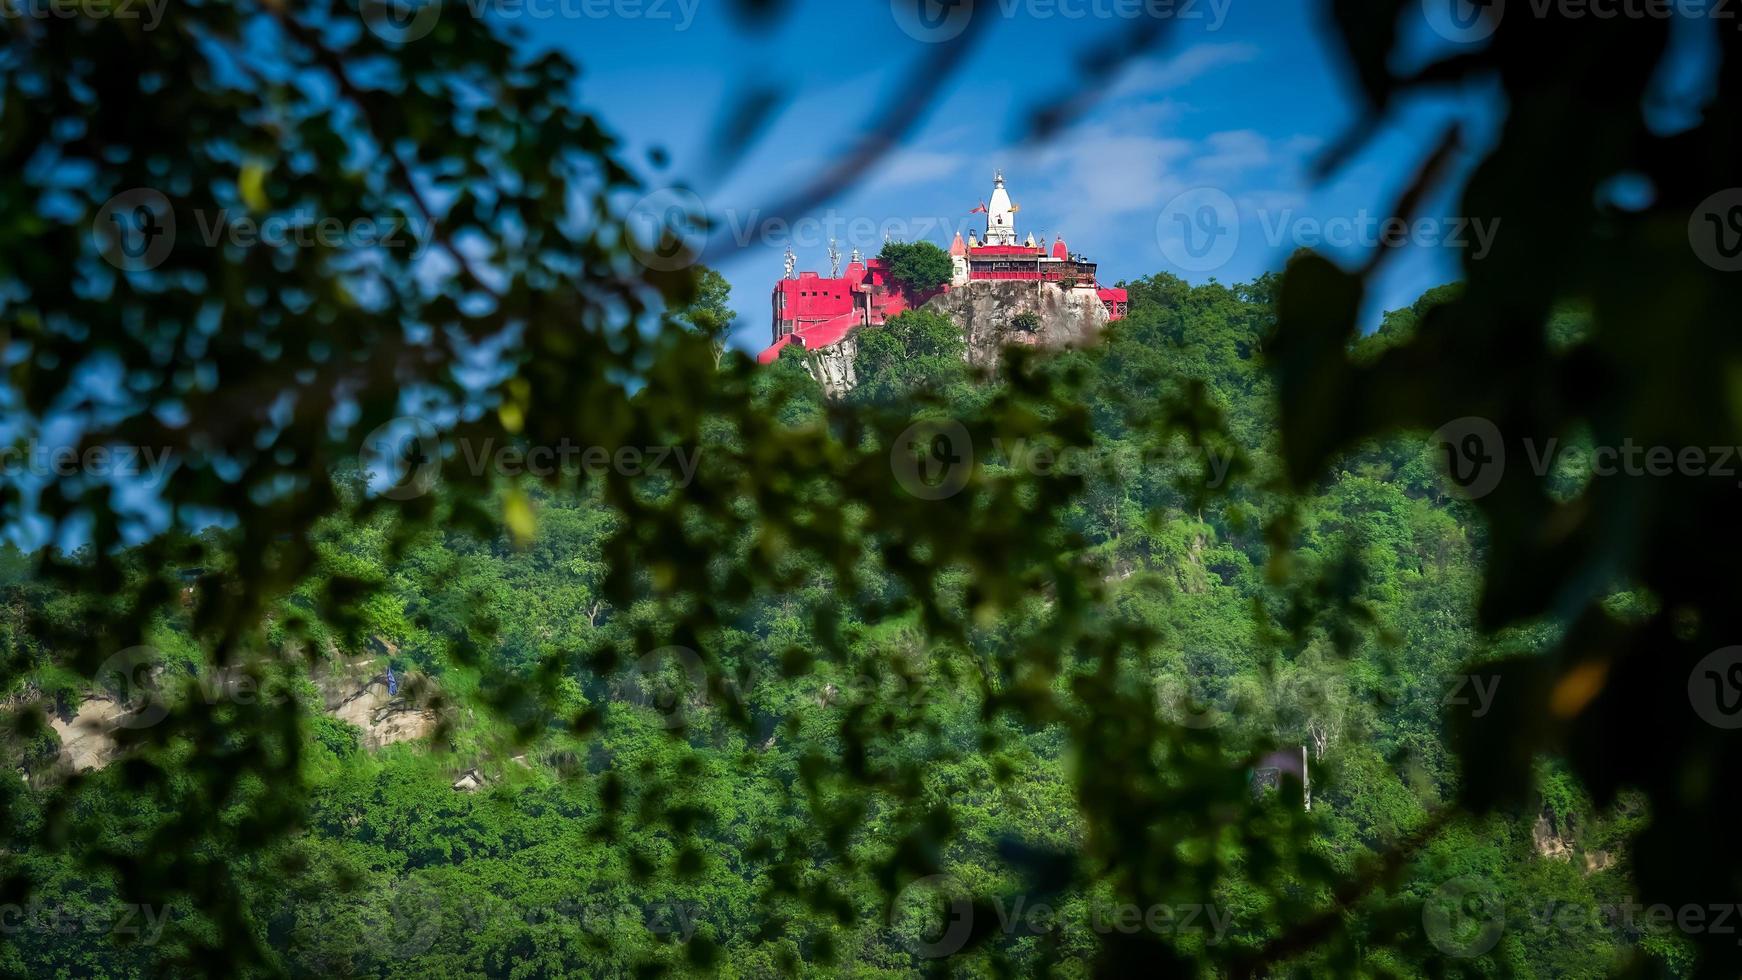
x=857, y=257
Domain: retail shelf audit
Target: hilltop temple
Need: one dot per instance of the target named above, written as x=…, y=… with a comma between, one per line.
x=817, y=313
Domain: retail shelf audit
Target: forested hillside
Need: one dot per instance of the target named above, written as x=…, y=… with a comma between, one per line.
x=840, y=777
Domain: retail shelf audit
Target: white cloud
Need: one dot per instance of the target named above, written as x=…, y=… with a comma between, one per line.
x=1151, y=76
x=1098, y=171
x=1233, y=152
x=904, y=167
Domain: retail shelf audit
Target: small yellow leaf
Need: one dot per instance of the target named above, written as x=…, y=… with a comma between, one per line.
x=512, y=417
x=251, y=184
x=1577, y=687
x=517, y=514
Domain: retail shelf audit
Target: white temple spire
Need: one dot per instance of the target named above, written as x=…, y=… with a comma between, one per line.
x=1000, y=214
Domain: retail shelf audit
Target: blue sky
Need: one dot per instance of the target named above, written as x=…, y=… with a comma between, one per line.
x=1238, y=100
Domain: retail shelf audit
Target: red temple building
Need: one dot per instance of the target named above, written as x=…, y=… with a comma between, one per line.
x=814, y=312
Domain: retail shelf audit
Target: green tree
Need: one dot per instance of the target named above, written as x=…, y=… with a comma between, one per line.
x=918, y=350
x=918, y=266
x=709, y=313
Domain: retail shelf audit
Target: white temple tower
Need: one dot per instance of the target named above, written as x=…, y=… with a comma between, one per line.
x=958, y=261
x=1000, y=215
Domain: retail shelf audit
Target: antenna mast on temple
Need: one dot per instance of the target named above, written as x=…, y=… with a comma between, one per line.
x=791, y=263
x=834, y=259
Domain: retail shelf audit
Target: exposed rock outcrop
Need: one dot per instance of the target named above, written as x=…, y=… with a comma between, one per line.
x=990, y=315
x=1558, y=840
x=87, y=739
x=356, y=693
x=832, y=366
x=1549, y=841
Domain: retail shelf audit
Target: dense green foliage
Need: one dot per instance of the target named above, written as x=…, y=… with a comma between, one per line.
x=626, y=819
x=1119, y=636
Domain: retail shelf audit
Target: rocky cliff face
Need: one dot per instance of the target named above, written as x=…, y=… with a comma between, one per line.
x=833, y=366
x=988, y=313
x=351, y=690
x=355, y=692
x=990, y=317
